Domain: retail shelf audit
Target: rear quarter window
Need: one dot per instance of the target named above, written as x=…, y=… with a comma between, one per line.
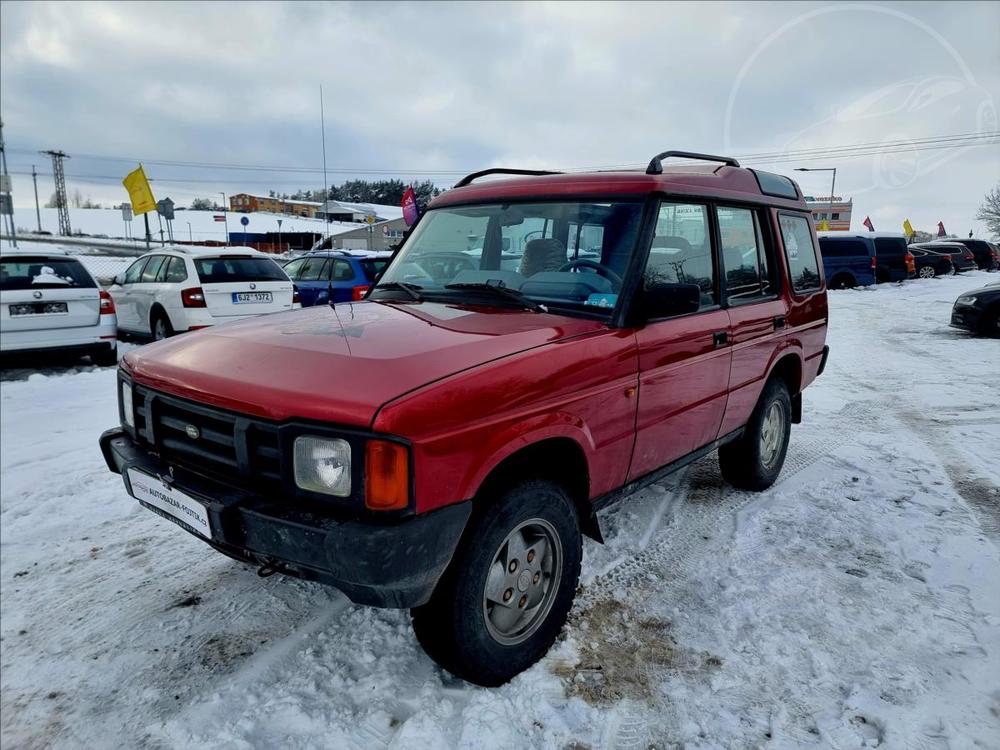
x=888, y=246
x=797, y=237
x=238, y=269
x=373, y=268
x=842, y=248
x=43, y=273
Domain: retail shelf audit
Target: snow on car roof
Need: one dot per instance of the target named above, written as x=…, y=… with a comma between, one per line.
x=55, y=252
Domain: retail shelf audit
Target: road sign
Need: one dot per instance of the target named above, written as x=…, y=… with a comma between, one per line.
x=244, y=220
x=6, y=205
x=165, y=208
x=4, y=183
x=371, y=218
x=126, y=212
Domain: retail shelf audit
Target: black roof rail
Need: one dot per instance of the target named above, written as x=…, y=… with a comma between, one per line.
x=656, y=163
x=499, y=170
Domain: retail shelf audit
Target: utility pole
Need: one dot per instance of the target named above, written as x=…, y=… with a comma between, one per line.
x=7, y=191
x=326, y=185
x=61, y=201
x=38, y=211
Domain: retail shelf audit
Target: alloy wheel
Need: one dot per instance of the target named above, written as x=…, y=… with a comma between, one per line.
x=772, y=432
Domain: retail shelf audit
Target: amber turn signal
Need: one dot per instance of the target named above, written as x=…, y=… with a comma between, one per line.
x=387, y=475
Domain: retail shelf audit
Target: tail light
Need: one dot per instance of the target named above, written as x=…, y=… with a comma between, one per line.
x=911, y=263
x=968, y=255
x=296, y=300
x=107, y=304
x=358, y=293
x=193, y=297
x=874, y=262
x=387, y=475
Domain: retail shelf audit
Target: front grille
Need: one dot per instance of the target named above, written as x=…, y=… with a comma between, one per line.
x=232, y=447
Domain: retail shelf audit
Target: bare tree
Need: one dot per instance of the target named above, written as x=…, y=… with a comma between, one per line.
x=53, y=201
x=989, y=211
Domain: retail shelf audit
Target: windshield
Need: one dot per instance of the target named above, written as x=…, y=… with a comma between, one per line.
x=43, y=273
x=570, y=255
x=237, y=269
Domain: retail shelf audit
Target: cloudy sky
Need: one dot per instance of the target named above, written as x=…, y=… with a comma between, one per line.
x=429, y=91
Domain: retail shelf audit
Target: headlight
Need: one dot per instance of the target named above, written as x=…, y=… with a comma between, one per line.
x=965, y=301
x=127, y=405
x=323, y=465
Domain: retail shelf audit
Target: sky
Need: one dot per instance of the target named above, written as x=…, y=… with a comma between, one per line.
x=432, y=91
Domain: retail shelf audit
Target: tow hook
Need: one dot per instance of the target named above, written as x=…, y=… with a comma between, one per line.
x=269, y=568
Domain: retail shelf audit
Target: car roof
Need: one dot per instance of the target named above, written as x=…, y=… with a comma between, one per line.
x=196, y=251
x=706, y=180
x=859, y=233
x=360, y=254
x=55, y=252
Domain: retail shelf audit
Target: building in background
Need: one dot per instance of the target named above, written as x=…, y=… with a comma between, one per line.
x=837, y=215
x=359, y=212
x=248, y=204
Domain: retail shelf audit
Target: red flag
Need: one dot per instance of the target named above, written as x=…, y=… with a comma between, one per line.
x=409, y=204
x=941, y=232
x=868, y=223
x=219, y=218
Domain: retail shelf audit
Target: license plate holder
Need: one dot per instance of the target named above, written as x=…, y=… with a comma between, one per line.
x=177, y=506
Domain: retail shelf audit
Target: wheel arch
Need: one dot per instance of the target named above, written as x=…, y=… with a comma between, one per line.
x=155, y=309
x=788, y=368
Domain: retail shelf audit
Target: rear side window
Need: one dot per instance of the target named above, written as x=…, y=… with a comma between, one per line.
x=234, y=269
x=743, y=254
x=342, y=271
x=796, y=234
x=173, y=271
x=682, y=250
x=152, y=268
x=842, y=248
x=43, y=273
x=888, y=246
x=312, y=269
x=135, y=271
x=373, y=268
x=292, y=268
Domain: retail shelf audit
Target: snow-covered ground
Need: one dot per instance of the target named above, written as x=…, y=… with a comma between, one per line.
x=855, y=604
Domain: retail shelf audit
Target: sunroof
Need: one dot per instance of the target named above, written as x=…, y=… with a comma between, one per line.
x=775, y=184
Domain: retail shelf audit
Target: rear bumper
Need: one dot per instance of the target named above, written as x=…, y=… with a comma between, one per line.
x=82, y=338
x=391, y=565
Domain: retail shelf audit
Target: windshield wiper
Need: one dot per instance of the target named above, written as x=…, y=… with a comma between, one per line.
x=410, y=289
x=499, y=288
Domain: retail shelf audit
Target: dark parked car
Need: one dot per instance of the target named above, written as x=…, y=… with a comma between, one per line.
x=961, y=257
x=894, y=262
x=979, y=311
x=347, y=273
x=442, y=444
x=986, y=256
x=848, y=261
x=930, y=264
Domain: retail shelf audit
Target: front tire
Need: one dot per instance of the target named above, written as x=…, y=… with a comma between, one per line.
x=989, y=323
x=504, y=598
x=754, y=461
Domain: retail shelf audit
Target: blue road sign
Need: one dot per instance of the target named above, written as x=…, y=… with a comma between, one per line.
x=244, y=221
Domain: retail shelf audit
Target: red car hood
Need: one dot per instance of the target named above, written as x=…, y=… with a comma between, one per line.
x=339, y=365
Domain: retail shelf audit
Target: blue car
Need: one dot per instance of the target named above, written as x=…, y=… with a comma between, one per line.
x=348, y=273
x=848, y=261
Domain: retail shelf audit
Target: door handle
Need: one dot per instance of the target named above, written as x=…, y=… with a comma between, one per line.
x=779, y=322
x=720, y=338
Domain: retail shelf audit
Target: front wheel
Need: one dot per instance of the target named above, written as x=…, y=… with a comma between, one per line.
x=161, y=326
x=754, y=461
x=507, y=592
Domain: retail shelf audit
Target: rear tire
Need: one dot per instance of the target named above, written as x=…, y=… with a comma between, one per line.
x=754, y=461
x=159, y=324
x=926, y=272
x=504, y=598
x=843, y=281
x=105, y=356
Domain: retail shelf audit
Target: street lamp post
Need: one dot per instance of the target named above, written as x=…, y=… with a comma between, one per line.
x=225, y=214
x=279, y=235
x=833, y=183
x=190, y=233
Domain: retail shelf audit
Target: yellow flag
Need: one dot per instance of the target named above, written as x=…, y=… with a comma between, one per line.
x=908, y=228
x=824, y=226
x=139, y=192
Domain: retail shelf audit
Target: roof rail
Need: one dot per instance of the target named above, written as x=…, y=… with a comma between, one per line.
x=656, y=163
x=499, y=170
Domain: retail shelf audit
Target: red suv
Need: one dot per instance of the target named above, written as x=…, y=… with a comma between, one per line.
x=539, y=347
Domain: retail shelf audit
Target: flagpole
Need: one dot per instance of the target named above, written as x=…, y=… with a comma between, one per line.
x=145, y=218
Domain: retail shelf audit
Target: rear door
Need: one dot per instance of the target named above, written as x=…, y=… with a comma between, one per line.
x=44, y=292
x=891, y=252
x=144, y=291
x=239, y=285
x=344, y=279
x=311, y=279
x=684, y=361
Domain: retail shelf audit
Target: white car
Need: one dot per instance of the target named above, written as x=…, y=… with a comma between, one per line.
x=50, y=301
x=184, y=288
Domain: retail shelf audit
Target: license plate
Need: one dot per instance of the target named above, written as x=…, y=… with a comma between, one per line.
x=175, y=504
x=250, y=298
x=39, y=308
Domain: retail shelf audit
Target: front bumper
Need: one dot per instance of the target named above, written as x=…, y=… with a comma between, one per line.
x=966, y=317
x=391, y=565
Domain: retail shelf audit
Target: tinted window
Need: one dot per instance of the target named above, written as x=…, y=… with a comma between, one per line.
x=237, y=269
x=152, y=268
x=43, y=273
x=175, y=272
x=373, y=268
x=831, y=248
x=682, y=251
x=775, y=184
x=743, y=254
x=796, y=235
x=887, y=246
x=135, y=270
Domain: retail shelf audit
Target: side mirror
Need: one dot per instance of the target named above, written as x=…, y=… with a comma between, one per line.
x=665, y=300
x=119, y=279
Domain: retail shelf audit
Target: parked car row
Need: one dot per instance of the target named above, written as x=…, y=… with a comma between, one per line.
x=865, y=258
x=344, y=275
